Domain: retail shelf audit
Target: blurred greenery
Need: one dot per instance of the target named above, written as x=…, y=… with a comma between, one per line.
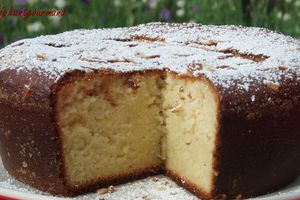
x=283, y=15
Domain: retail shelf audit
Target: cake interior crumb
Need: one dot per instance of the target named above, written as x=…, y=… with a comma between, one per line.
x=111, y=129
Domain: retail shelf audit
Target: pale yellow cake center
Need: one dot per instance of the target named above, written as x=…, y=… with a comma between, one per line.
x=191, y=130
x=116, y=126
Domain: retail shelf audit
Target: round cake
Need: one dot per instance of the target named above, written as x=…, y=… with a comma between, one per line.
x=215, y=108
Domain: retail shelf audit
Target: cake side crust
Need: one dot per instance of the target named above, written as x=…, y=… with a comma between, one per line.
x=259, y=138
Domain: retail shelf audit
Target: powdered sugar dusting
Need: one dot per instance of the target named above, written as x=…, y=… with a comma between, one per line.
x=229, y=53
x=147, y=189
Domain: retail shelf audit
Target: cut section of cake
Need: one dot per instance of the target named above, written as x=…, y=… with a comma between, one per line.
x=191, y=117
x=118, y=126
x=215, y=108
x=111, y=127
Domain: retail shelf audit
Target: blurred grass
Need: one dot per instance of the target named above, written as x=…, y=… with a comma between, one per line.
x=283, y=15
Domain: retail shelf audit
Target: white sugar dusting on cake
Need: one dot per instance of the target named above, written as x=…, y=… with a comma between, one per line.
x=227, y=53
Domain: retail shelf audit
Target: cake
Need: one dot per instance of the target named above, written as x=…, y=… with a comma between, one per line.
x=215, y=108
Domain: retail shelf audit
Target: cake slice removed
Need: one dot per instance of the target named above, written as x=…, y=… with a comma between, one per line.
x=117, y=127
x=111, y=127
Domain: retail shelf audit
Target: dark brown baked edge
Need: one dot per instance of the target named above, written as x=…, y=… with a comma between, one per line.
x=259, y=140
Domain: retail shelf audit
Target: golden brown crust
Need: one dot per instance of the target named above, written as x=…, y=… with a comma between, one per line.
x=257, y=154
x=29, y=146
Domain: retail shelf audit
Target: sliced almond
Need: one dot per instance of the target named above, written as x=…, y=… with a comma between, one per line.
x=26, y=91
x=102, y=191
x=150, y=56
x=41, y=57
x=146, y=198
x=273, y=86
x=155, y=179
x=176, y=108
x=112, y=189
x=282, y=68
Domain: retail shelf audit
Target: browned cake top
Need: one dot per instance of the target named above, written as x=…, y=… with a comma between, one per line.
x=224, y=54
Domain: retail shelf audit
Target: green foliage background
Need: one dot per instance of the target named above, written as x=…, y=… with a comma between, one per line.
x=283, y=16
